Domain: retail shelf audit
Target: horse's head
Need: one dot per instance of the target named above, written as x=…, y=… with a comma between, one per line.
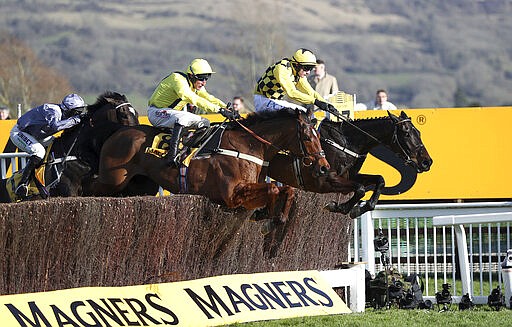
x=113, y=107
x=407, y=142
x=312, y=152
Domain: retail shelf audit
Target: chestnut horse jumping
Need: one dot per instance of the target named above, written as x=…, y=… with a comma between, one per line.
x=230, y=173
x=346, y=146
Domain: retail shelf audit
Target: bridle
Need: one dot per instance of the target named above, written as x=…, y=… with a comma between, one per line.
x=396, y=140
x=308, y=158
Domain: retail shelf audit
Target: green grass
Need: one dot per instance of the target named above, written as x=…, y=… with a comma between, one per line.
x=479, y=316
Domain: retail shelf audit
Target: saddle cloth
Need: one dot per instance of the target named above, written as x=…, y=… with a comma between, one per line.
x=33, y=189
x=160, y=145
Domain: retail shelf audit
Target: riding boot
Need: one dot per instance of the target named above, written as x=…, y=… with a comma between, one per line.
x=173, y=145
x=23, y=188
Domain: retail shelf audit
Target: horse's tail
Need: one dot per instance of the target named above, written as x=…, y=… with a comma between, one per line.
x=9, y=148
x=4, y=195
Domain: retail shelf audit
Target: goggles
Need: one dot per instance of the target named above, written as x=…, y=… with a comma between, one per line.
x=307, y=68
x=202, y=77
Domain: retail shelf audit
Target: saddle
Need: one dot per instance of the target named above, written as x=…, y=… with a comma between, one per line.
x=198, y=143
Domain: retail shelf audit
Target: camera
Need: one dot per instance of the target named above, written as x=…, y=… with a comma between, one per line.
x=444, y=297
x=466, y=303
x=381, y=243
x=496, y=299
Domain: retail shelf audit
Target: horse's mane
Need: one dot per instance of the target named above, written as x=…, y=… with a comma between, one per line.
x=255, y=118
x=106, y=98
x=373, y=118
x=358, y=120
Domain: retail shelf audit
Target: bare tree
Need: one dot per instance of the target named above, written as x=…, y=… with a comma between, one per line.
x=256, y=44
x=24, y=78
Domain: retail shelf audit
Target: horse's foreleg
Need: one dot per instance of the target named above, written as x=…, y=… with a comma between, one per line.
x=346, y=207
x=375, y=182
x=254, y=196
x=288, y=193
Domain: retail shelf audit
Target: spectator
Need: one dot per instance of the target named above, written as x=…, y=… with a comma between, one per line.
x=4, y=113
x=239, y=105
x=322, y=82
x=381, y=102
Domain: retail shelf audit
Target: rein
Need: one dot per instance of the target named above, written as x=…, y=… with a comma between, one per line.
x=394, y=139
x=259, y=138
x=304, y=151
x=348, y=121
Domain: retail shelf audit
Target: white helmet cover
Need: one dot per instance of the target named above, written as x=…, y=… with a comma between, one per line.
x=72, y=101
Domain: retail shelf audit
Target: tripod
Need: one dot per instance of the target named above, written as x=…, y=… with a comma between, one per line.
x=381, y=244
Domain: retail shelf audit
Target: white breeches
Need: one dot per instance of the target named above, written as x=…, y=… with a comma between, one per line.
x=262, y=103
x=28, y=143
x=166, y=117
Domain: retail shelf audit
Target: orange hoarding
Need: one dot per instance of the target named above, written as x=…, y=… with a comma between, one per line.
x=471, y=150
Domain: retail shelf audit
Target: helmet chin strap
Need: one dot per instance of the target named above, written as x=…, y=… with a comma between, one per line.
x=295, y=70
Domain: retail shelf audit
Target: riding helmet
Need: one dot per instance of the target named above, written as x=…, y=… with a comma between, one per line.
x=304, y=57
x=199, y=67
x=72, y=101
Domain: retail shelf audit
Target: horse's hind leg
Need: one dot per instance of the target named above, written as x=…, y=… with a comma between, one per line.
x=95, y=187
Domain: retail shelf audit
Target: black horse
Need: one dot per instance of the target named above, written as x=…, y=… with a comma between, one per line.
x=71, y=157
x=346, y=145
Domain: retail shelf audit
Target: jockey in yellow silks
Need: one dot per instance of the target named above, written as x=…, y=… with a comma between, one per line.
x=168, y=104
x=288, y=77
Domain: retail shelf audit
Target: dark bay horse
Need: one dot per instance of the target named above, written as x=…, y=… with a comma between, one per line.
x=63, y=168
x=230, y=173
x=346, y=145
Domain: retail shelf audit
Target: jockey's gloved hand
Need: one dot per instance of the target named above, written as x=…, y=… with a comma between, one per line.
x=237, y=114
x=226, y=113
x=84, y=114
x=76, y=119
x=322, y=105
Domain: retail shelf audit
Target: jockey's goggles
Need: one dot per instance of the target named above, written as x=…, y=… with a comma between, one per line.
x=306, y=68
x=202, y=77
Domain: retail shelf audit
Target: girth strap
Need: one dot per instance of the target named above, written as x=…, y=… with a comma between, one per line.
x=240, y=155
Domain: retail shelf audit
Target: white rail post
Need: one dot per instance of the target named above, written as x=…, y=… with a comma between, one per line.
x=367, y=236
x=462, y=248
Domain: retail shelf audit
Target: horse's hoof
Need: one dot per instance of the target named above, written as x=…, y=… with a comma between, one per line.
x=331, y=206
x=355, y=212
x=267, y=227
x=259, y=214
